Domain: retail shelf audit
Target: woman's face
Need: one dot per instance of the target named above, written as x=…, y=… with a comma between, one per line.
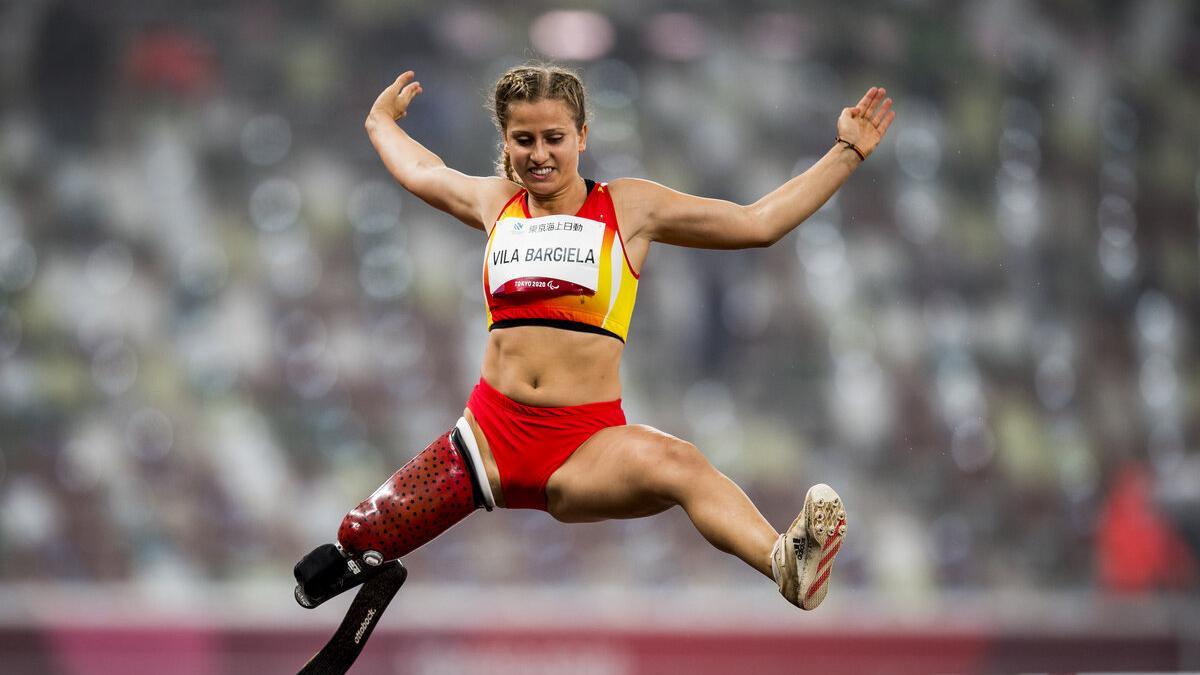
x=543, y=144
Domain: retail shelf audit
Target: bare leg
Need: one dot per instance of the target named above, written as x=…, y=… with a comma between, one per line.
x=635, y=471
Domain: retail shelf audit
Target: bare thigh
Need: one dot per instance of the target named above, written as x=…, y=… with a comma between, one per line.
x=629, y=471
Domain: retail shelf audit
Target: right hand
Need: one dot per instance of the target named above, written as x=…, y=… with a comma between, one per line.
x=865, y=124
x=394, y=100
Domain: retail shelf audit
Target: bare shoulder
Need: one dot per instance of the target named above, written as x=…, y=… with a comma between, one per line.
x=498, y=189
x=494, y=192
x=634, y=200
x=634, y=189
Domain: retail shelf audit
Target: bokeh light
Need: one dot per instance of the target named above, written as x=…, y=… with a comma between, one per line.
x=575, y=35
x=266, y=139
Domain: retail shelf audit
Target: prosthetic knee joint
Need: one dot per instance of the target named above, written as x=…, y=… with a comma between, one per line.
x=443, y=484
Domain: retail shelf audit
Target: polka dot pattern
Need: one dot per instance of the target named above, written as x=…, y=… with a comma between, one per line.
x=426, y=497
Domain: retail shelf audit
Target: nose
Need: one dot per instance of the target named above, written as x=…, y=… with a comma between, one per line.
x=540, y=152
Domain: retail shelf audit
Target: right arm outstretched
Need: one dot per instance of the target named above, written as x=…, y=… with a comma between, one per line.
x=473, y=200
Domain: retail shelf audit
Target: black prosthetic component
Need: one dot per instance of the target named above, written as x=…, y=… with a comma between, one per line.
x=339, y=654
x=460, y=445
x=326, y=572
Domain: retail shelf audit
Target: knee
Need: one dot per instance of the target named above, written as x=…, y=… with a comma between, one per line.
x=670, y=463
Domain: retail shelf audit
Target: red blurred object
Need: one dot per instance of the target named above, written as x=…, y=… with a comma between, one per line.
x=1137, y=549
x=168, y=59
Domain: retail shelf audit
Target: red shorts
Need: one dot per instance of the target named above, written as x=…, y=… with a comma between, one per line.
x=531, y=442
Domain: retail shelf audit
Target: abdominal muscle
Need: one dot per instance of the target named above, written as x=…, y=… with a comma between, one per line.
x=547, y=367
x=541, y=366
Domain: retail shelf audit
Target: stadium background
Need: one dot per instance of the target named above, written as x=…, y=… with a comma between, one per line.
x=221, y=325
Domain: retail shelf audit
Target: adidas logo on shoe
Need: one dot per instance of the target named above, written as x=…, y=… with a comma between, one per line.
x=816, y=537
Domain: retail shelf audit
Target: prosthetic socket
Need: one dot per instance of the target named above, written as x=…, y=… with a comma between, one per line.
x=436, y=489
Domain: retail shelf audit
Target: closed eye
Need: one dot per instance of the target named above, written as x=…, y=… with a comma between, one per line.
x=526, y=141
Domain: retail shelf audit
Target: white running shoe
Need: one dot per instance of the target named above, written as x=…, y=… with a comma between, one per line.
x=803, y=555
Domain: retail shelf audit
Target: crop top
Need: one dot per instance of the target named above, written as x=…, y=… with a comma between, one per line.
x=562, y=271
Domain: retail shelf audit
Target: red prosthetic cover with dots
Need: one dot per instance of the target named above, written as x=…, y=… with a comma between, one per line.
x=426, y=497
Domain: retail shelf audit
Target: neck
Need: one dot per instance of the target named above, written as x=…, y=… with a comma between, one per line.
x=567, y=199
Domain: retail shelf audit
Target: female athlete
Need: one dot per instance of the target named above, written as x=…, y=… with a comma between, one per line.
x=543, y=428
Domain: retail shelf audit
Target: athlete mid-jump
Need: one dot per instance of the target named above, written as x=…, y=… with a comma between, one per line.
x=543, y=428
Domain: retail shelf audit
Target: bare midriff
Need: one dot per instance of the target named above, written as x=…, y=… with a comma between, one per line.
x=547, y=367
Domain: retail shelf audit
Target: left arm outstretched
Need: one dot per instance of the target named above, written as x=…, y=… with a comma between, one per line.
x=661, y=214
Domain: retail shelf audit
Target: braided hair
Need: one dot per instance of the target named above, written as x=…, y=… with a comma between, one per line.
x=530, y=83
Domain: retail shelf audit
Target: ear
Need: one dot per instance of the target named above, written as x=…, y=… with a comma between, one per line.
x=583, y=137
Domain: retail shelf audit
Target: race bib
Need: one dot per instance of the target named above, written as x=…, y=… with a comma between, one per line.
x=545, y=257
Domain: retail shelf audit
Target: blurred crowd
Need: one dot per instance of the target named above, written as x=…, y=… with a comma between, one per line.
x=222, y=324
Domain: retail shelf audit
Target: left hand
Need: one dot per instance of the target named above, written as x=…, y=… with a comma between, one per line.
x=865, y=124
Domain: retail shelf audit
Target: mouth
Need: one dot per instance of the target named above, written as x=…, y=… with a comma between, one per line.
x=541, y=172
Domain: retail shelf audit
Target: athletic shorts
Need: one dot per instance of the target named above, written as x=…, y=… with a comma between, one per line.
x=529, y=442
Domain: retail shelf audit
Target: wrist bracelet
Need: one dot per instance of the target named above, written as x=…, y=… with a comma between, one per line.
x=853, y=147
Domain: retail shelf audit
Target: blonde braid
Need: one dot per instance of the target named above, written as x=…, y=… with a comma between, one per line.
x=506, y=167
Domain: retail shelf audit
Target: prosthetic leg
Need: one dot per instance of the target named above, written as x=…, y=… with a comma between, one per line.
x=436, y=489
x=443, y=484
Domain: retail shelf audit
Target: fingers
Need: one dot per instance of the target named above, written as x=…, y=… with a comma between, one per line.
x=404, y=78
x=886, y=122
x=409, y=92
x=404, y=90
x=394, y=100
x=883, y=110
x=864, y=104
x=397, y=87
x=875, y=108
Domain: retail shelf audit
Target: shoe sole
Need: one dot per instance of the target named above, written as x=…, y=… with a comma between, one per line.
x=814, y=540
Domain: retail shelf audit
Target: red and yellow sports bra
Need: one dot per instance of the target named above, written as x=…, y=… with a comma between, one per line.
x=562, y=271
